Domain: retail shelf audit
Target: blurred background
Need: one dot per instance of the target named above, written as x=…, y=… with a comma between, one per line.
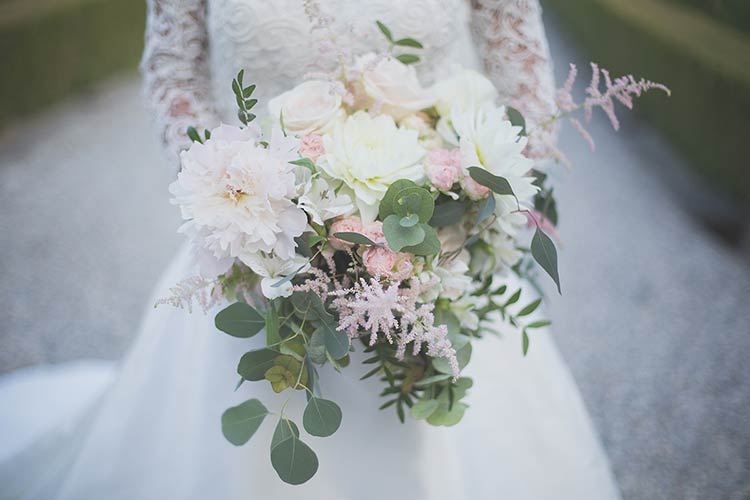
x=655, y=261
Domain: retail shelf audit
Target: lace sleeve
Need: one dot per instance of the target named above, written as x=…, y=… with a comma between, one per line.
x=176, y=77
x=513, y=46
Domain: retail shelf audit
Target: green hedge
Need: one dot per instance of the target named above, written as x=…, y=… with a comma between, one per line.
x=702, y=61
x=733, y=12
x=51, y=48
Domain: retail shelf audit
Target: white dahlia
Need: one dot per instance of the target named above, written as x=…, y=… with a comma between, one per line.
x=236, y=195
x=369, y=154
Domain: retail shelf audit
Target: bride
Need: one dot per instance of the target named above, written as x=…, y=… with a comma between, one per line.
x=154, y=431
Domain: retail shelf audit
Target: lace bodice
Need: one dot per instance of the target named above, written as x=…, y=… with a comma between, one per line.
x=195, y=47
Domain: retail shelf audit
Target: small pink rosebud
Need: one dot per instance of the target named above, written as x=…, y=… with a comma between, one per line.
x=443, y=168
x=379, y=261
x=473, y=189
x=312, y=147
x=374, y=231
x=349, y=224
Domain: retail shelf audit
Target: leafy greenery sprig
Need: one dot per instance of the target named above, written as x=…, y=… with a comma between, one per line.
x=243, y=96
x=406, y=58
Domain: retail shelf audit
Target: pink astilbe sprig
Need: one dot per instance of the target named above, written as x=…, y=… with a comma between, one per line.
x=206, y=293
x=394, y=313
x=623, y=89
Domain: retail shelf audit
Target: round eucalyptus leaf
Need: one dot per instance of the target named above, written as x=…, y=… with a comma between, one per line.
x=285, y=429
x=423, y=409
x=430, y=245
x=239, y=423
x=240, y=320
x=294, y=461
x=414, y=200
x=254, y=364
x=398, y=236
x=386, y=204
x=446, y=416
x=409, y=220
x=321, y=417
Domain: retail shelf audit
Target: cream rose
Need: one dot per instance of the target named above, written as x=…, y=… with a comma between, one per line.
x=393, y=85
x=308, y=108
x=464, y=89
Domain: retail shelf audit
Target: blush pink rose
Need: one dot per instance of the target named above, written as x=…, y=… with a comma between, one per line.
x=379, y=261
x=404, y=268
x=349, y=224
x=312, y=147
x=473, y=189
x=443, y=168
x=374, y=231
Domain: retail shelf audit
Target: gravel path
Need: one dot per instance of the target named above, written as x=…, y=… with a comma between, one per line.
x=654, y=320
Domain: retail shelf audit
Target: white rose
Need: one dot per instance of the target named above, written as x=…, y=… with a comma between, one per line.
x=465, y=89
x=394, y=85
x=369, y=154
x=308, y=108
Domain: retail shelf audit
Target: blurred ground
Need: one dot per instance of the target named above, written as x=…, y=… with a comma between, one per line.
x=654, y=320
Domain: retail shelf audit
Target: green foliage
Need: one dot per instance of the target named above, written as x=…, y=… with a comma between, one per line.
x=254, y=364
x=305, y=162
x=285, y=429
x=356, y=238
x=448, y=213
x=239, y=423
x=423, y=409
x=408, y=58
x=430, y=245
x=293, y=460
x=400, y=43
x=516, y=118
x=399, y=236
x=336, y=342
x=544, y=252
x=497, y=184
x=272, y=325
x=286, y=373
x=321, y=417
x=243, y=97
x=240, y=320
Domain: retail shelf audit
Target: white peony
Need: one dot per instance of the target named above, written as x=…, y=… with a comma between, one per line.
x=236, y=195
x=393, y=85
x=310, y=107
x=465, y=89
x=273, y=270
x=369, y=154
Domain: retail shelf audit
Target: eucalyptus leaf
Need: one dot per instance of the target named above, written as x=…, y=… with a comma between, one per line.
x=516, y=118
x=414, y=200
x=356, y=238
x=447, y=416
x=431, y=380
x=423, y=409
x=487, y=209
x=239, y=423
x=240, y=320
x=321, y=417
x=272, y=325
x=316, y=349
x=398, y=236
x=497, y=184
x=254, y=364
x=448, y=213
x=409, y=220
x=443, y=365
x=285, y=429
x=429, y=246
x=386, y=204
x=294, y=461
x=544, y=252
x=336, y=342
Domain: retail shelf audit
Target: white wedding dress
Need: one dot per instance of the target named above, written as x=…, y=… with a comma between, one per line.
x=152, y=430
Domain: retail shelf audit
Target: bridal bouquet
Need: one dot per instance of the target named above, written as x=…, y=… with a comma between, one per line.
x=369, y=213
